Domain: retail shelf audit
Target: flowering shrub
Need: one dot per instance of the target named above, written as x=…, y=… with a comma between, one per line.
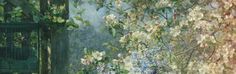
x=170, y=36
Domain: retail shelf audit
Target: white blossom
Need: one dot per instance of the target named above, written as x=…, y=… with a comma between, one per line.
x=140, y=35
x=110, y=19
x=195, y=14
x=118, y=3
x=115, y=61
x=202, y=38
x=128, y=63
x=202, y=24
x=163, y=23
x=119, y=55
x=122, y=39
x=98, y=55
x=183, y=23
x=163, y=3
x=175, y=31
x=84, y=61
x=88, y=59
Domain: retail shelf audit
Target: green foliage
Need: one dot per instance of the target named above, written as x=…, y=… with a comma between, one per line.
x=25, y=9
x=85, y=22
x=16, y=14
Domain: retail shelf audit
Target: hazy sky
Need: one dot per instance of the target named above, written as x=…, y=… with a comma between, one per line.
x=94, y=16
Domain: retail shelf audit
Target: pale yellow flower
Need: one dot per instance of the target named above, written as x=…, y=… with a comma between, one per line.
x=140, y=35
x=110, y=19
x=119, y=55
x=183, y=23
x=163, y=3
x=85, y=61
x=122, y=39
x=202, y=24
x=163, y=23
x=115, y=61
x=98, y=55
x=127, y=63
x=195, y=14
x=202, y=38
x=175, y=31
x=118, y=3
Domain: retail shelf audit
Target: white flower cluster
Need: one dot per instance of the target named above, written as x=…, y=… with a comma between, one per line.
x=96, y=56
x=139, y=36
x=202, y=24
x=228, y=3
x=123, y=39
x=118, y=3
x=87, y=60
x=205, y=37
x=128, y=63
x=195, y=14
x=110, y=19
x=201, y=38
x=175, y=31
x=226, y=52
x=163, y=3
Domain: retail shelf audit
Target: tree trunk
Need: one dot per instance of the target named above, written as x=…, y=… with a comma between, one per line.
x=45, y=41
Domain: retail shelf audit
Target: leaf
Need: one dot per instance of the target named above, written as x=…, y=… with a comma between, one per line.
x=36, y=19
x=113, y=32
x=18, y=14
x=87, y=23
x=60, y=20
x=17, y=8
x=1, y=9
x=71, y=24
x=25, y=5
x=78, y=18
x=175, y=0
